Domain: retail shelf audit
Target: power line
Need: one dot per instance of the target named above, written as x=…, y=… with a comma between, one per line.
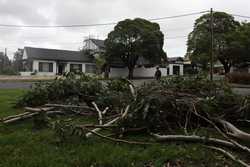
x=242, y=16
x=96, y=24
x=176, y=37
x=178, y=16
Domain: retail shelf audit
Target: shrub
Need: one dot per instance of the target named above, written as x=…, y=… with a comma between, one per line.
x=76, y=89
x=69, y=89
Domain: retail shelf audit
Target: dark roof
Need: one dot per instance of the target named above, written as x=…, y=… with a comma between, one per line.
x=117, y=62
x=175, y=59
x=57, y=55
x=99, y=43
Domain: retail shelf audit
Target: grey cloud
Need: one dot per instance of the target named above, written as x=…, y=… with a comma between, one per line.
x=66, y=12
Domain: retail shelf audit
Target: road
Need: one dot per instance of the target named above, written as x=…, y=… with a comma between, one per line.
x=27, y=85
x=15, y=85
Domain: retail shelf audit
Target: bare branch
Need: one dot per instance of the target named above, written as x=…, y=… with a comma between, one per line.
x=193, y=138
x=229, y=155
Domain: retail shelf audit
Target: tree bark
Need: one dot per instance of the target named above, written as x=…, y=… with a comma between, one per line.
x=130, y=72
x=226, y=68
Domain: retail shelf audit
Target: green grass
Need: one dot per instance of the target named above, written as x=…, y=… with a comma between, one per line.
x=8, y=98
x=23, y=146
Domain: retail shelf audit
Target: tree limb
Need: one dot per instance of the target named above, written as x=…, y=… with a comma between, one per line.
x=193, y=138
x=229, y=155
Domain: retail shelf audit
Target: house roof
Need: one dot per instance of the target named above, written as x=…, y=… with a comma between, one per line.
x=117, y=62
x=99, y=43
x=174, y=59
x=57, y=55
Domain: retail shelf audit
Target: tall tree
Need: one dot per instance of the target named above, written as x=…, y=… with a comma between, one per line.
x=199, y=43
x=136, y=38
x=18, y=60
x=240, y=43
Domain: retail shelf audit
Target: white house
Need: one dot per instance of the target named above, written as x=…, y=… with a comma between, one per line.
x=175, y=66
x=143, y=68
x=41, y=61
x=46, y=62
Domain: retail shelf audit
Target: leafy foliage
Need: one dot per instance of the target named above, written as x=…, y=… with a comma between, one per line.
x=132, y=39
x=77, y=89
x=167, y=105
x=199, y=43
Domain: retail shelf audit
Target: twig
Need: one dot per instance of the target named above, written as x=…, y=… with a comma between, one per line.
x=193, y=138
x=125, y=112
x=69, y=106
x=98, y=129
x=242, y=147
x=20, y=118
x=41, y=109
x=100, y=113
x=119, y=140
x=229, y=155
x=14, y=116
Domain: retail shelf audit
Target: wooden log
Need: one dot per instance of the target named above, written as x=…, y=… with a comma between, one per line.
x=20, y=118
x=235, y=132
x=14, y=116
x=69, y=106
x=41, y=109
x=98, y=129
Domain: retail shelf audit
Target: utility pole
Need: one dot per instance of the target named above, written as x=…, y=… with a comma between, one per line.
x=5, y=50
x=212, y=44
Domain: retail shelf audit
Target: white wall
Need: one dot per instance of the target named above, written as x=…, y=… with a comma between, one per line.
x=171, y=69
x=36, y=68
x=67, y=67
x=138, y=72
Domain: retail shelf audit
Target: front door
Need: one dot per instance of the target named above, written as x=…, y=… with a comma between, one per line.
x=61, y=68
x=176, y=70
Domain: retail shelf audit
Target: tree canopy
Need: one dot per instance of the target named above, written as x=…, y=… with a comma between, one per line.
x=136, y=38
x=199, y=43
x=240, y=43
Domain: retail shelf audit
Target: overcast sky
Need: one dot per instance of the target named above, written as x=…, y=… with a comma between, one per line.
x=68, y=12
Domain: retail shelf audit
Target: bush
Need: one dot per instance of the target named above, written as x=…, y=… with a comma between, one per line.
x=76, y=89
x=69, y=89
x=238, y=77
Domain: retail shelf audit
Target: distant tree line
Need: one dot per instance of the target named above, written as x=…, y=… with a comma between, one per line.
x=11, y=67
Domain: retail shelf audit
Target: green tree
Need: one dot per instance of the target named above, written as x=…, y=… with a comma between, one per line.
x=199, y=43
x=136, y=38
x=240, y=43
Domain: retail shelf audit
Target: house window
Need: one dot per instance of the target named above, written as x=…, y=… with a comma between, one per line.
x=75, y=67
x=90, y=68
x=45, y=67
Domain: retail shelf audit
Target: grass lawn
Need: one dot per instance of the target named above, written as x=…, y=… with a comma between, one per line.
x=23, y=146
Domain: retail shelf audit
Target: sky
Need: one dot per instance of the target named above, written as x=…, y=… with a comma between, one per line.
x=72, y=12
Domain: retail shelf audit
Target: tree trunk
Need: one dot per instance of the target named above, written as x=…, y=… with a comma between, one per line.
x=226, y=68
x=131, y=73
x=106, y=71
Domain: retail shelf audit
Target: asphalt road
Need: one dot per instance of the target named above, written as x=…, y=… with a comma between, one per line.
x=27, y=85
x=15, y=85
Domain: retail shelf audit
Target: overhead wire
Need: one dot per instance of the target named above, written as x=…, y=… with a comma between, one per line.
x=96, y=24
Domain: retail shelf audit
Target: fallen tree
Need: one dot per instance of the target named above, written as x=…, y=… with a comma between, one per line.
x=163, y=107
